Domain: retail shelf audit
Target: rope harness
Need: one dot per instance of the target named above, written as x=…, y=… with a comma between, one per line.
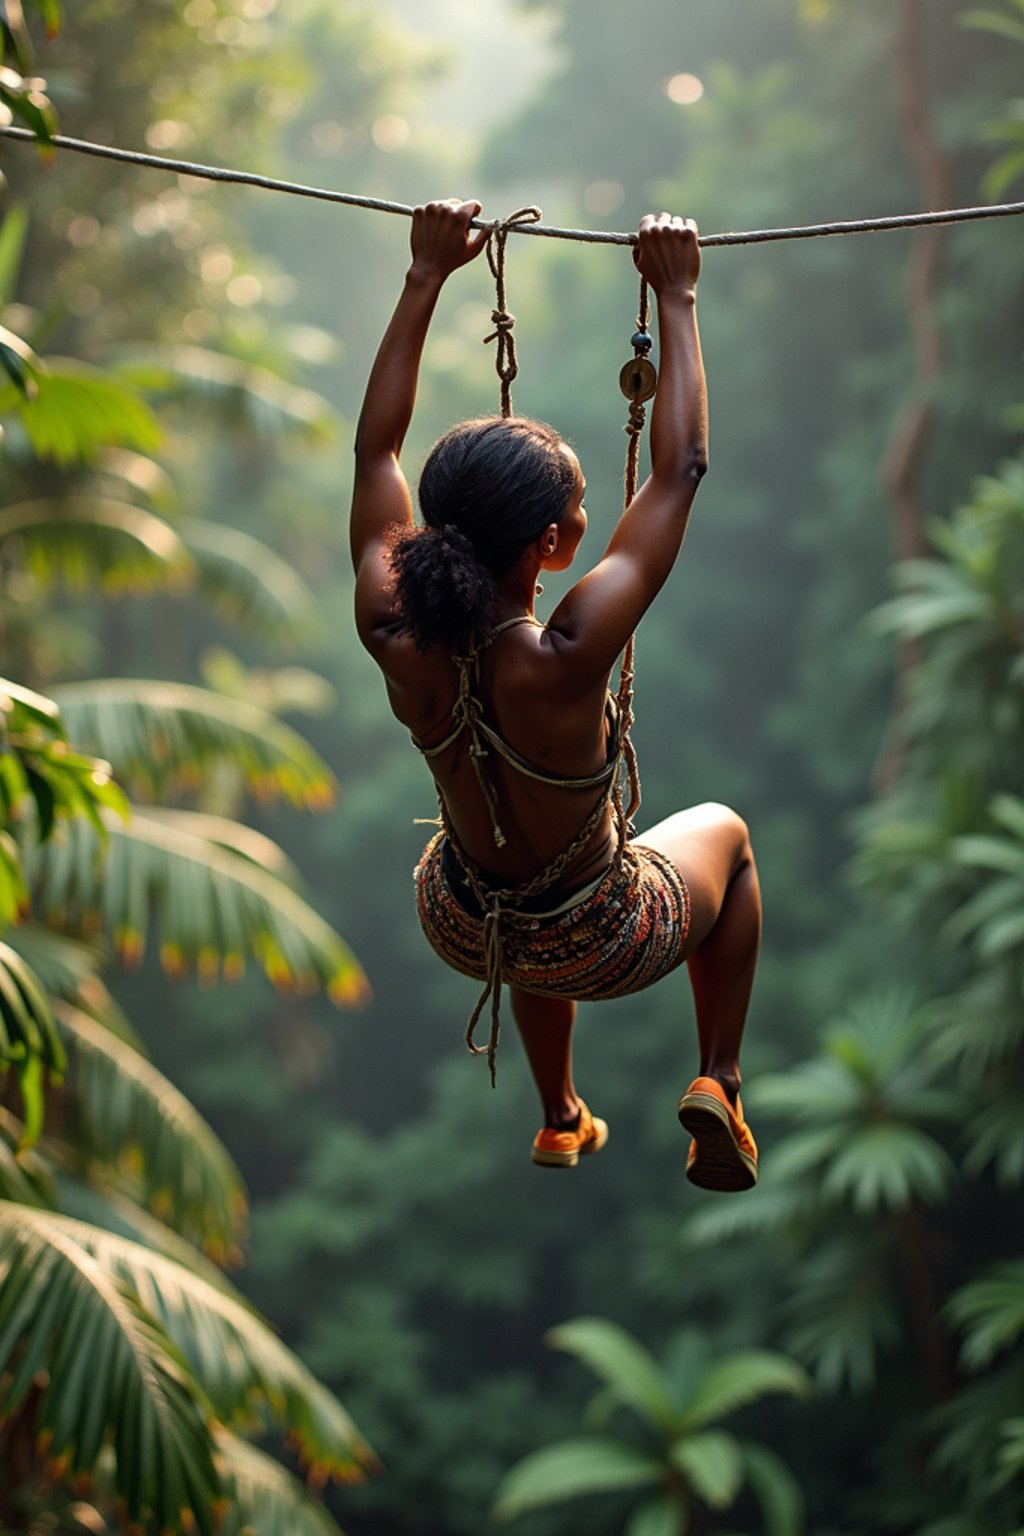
x=638, y=382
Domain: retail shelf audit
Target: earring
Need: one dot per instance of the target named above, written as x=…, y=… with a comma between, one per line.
x=538, y=589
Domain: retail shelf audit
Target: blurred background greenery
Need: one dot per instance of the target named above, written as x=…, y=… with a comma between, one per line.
x=840, y=655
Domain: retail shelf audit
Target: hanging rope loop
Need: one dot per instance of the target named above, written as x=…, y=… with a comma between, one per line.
x=505, y=360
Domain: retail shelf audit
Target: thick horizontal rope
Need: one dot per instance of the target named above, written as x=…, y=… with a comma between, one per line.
x=588, y=236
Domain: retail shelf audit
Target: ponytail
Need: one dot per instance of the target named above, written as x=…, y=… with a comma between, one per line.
x=488, y=488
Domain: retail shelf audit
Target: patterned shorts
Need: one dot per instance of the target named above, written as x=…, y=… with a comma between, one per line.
x=627, y=932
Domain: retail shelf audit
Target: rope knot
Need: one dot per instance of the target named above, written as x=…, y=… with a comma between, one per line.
x=505, y=361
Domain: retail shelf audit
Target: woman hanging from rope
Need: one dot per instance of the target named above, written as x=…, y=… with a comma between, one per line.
x=534, y=879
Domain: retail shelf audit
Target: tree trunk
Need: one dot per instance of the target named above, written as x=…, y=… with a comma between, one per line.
x=904, y=459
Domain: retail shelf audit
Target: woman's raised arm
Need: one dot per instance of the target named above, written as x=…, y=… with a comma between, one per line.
x=596, y=618
x=441, y=242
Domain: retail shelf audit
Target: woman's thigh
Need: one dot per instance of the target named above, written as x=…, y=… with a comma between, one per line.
x=707, y=844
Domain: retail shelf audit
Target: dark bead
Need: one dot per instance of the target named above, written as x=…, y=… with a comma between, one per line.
x=641, y=341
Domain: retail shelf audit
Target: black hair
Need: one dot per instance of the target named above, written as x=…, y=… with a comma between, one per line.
x=488, y=488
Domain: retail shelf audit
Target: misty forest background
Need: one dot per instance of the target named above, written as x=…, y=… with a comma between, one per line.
x=840, y=655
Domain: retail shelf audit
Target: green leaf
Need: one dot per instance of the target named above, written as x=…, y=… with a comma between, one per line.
x=994, y=21
x=128, y=1110
x=742, y=1378
x=623, y=1364
x=27, y=1027
x=990, y=1314
x=886, y=1165
x=664, y=1515
x=712, y=1464
x=109, y=1370
x=88, y=541
x=213, y=905
x=156, y=732
x=244, y=1368
x=263, y=1497
x=241, y=396
x=13, y=231
x=571, y=1468
x=777, y=1490
x=20, y=364
x=247, y=582
x=78, y=410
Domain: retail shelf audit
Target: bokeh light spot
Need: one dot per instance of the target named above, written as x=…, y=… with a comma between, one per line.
x=684, y=89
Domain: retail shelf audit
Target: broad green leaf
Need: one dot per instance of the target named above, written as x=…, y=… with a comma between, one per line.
x=777, y=1490
x=571, y=1468
x=247, y=1374
x=89, y=541
x=109, y=1370
x=664, y=1515
x=623, y=1364
x=128, y=1111
x=157, y=732
x=742, y=1378
x=77, y=410
x=213, y=906
x=712, y=1463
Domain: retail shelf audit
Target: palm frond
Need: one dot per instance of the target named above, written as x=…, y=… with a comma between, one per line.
x=24, y=1175
x=263, y=1496
x=214, y=906
x=157, y=733
x=250, y=1378
x=248, y=582
x=90, y=1198
x=76, y=410
x=110, y=1372
x=129, y=1112
x=69, y=968
x=990, y=1314
x=242, y=396
x=95, y=541
x=27, y=1028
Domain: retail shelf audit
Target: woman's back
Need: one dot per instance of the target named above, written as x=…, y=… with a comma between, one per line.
x=527, y=701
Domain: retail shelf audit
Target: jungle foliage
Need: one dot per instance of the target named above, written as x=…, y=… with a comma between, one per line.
x=862, y=710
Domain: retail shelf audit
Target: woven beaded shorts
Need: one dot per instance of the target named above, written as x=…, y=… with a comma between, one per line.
x=627, y=932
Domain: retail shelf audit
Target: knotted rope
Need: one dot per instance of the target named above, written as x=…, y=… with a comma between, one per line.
x=638, y=382
x=505, y=360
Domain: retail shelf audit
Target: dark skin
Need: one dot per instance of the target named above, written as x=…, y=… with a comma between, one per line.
x=546, y=686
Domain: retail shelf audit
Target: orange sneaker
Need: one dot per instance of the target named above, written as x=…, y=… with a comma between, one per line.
x=563, y=1149
x=723, y=1154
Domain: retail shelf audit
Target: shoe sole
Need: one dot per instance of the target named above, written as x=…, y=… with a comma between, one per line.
x=720, y=1164
x=545, y=1159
